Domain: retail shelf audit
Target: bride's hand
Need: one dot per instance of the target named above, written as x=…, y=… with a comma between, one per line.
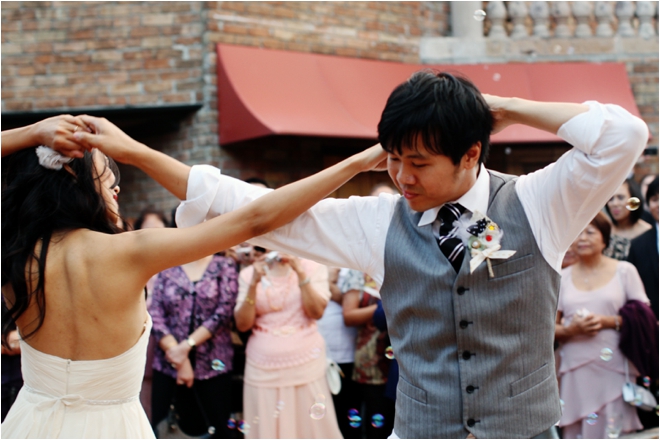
x=108, y=138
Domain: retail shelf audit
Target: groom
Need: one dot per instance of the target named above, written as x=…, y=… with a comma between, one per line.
x=474, y=345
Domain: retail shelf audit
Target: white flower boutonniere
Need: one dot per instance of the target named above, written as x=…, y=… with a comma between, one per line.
x=482, y=237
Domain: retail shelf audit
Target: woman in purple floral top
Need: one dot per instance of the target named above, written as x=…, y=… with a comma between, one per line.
x=194, y=350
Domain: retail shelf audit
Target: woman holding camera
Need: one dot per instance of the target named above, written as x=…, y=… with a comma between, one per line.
x=285, y=392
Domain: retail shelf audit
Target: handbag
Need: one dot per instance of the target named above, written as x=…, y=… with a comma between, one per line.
x=332, y=374
x=636, y=395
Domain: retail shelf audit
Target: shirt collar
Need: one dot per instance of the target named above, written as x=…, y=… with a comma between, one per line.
x=476, y=199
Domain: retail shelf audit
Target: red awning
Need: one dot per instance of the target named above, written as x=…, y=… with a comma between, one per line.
x=265, y=92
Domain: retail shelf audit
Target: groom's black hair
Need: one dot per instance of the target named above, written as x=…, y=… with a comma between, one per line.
x=447, y=111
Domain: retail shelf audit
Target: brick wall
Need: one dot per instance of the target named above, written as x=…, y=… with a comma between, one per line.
x=76, y=55
x=60, y=55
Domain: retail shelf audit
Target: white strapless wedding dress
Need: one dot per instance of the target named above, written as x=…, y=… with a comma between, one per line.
x=62, y=398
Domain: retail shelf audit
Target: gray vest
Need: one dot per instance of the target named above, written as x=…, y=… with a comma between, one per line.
x=475, y=353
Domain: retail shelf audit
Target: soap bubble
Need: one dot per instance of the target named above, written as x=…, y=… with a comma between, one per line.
x=317, y=411
x=606, y=354
x=243, y=427
x=355, y=421
x=389, y=352
x=231, y=423
x=218, y=365
x=377, y=421
x=633, y=204
x=646, y=381
x=592, y=419
x=497, y=77
x=479, y=15
x=557, y=48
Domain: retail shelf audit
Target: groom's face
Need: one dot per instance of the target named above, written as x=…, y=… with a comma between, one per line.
x=427, y=180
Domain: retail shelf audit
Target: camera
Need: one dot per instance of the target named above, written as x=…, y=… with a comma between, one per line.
x=273, y=257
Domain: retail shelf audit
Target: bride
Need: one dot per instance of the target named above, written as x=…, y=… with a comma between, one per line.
x=74, y=284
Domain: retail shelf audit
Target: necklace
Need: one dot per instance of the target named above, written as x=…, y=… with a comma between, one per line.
x=281, y=290
x=589, y=275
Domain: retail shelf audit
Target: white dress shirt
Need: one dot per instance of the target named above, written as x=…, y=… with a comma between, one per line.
x=559, y=200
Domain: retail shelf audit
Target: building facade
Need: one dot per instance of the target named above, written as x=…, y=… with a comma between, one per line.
x=152, y=68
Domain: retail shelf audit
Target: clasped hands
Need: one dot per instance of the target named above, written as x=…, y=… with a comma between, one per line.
x=71, y=136
x=588, y=325
x=177, y=355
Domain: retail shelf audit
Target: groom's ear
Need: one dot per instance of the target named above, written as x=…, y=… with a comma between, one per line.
x=471, y=157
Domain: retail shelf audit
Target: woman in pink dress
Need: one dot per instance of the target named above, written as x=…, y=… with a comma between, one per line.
x=592, y=370
x=285, y=391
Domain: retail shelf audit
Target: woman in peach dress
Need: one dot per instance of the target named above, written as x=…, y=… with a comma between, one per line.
x=285, y=392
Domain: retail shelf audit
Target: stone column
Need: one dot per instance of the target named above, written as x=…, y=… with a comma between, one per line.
x=624, y=12
x=518, y=14
x=561, y=11
x=497, y=16
x=463, y=22
x=582, y=14
x=645, y=13
x=540, y=14
x=604, y=12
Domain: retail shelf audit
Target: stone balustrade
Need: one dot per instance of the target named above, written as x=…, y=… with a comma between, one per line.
x=577, y=19
x=537, y=31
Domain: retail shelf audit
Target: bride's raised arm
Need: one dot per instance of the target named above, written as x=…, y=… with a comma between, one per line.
x=155, y=250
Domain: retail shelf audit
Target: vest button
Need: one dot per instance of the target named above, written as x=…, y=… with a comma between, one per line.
x=469, y=389
x=461, y=290
x=463, y=324
x=467, y=355
x=471, y=422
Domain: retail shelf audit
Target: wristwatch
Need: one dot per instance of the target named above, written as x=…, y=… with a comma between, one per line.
x=191, y=342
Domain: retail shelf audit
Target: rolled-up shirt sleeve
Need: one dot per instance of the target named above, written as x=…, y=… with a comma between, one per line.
x=562, y=198
x=334, y=232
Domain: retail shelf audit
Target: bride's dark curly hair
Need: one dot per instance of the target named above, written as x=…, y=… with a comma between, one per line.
x=36, y=203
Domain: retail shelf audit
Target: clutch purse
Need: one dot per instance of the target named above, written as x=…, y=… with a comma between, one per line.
x=333, y=373
x=636, y=395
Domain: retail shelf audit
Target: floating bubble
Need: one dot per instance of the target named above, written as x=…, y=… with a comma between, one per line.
x=276, y=414
x=657, y=410
x=353, y=412
x=256, y=420
x=570, y=50
x=592, y=419
x=320, y=398
x=633, y=204
x=231, y=424
x=211, y=430
x=377, y=421
x=280, y=405
x=638, y=400
x=497, y=77
x=218, y=365
x=317, y=411
x=243, y=427
x=316, y=352
x=561, y=404
x=606, y=354
x=646, y=381
x=557, y=49
x=354, y=421
x=389, y=352
x=479, y=15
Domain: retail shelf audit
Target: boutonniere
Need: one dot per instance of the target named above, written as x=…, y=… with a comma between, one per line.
x=482, y=237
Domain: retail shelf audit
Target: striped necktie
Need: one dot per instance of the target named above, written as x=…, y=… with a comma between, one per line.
x=450, y=245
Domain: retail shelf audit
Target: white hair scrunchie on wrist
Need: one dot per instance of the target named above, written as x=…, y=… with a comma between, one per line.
x=51, y=159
